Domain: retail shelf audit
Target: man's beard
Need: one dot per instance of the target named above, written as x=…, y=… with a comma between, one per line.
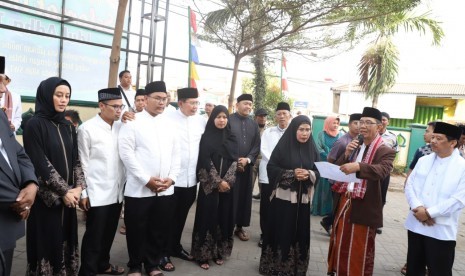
x=261, y=125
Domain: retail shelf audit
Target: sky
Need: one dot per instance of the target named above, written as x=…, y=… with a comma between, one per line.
x=420, y=62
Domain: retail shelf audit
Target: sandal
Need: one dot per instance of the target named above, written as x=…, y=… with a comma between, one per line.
x=122, y=230
x=219, y=261
x=204, y=265
x=240, y=232
x=164, y=261
x=155, y=272
x=114, y=270
x=134, y=272
x=403, y=271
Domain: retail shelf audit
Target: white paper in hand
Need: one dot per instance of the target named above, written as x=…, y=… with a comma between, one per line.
x=333, y=172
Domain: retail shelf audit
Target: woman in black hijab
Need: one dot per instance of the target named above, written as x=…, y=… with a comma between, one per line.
x=212, y=237
x=50, y=141
x=292, y=171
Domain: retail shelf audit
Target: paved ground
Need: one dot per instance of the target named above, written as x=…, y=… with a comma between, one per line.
x=391, y=246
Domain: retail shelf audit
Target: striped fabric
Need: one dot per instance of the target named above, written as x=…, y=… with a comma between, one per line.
x=352, y=246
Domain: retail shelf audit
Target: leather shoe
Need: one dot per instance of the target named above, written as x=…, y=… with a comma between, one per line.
x=183, y=254
x=326, y=227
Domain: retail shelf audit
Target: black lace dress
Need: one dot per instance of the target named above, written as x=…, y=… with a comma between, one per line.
x=212, y=236
x=50, y=141
x=286, y=242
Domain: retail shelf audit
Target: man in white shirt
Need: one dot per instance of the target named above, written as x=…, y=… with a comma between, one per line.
x=105, y=178
x=191, y=127
x=139, y=100
x=169, y=108
x=270, y=138
x=435, y=192
x=209, y=105
x=127, y=94
x=149, y=148
x=11, y=102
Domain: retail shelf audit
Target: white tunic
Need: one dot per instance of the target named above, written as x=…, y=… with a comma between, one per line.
x=131, y=96
x=439, y=185
x=190, y=130
x=102, y=166
x=270, y=139
x=17, y=109
x=149, y=146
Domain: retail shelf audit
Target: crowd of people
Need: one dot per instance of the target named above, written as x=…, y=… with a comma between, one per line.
x=160, y=161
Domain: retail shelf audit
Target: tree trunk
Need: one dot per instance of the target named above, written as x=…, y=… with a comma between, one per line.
x=237, y=60
x=259, y=79
x=116, y=44
x=374, y=101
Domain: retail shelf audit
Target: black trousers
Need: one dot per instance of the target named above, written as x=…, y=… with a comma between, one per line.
x=101, y=225
x=437, y=255
x=6, y=262
x=384, y=188
x=329, y=219
x=183, y=200
x=265, y=201
x=148, y=230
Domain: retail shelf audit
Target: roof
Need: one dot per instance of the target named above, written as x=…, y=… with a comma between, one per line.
x=420, y=89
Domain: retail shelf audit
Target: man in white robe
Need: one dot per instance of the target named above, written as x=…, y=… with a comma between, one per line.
x=190, y=127
x=149, y=148
x=269, y=140
x=435, y=192
x=105, y=178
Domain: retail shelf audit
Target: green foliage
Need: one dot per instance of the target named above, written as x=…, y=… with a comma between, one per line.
x=247, y=27
x=273, y=94
x=378, y=66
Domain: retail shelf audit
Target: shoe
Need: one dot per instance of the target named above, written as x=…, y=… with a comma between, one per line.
x=164, y=261
x=326, y=227
x=379, y=231
x=257, y=196
x=183, y=254
x=241, y=234
x=260, y=242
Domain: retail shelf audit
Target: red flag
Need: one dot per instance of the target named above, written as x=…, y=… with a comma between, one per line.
x=284, y=86
x=193, y=22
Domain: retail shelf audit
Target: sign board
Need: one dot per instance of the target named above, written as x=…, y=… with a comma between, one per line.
x=300, y=104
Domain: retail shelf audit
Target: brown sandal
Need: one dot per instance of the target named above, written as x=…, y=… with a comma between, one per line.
x=241, y=234
x=403, y=271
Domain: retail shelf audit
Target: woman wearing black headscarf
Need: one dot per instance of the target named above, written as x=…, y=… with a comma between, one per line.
x=212, y=237
x=292, y=171
x=50, y=141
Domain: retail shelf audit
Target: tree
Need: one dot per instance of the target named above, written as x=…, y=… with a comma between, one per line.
x=116, y=44
x=281, y=25
x=272, y=94
x=378, y=65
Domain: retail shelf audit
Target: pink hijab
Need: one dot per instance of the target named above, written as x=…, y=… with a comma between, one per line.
x=328, y=126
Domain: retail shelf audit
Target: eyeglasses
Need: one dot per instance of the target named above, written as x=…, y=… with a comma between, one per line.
x=193, y=103
x=159, y=99
x=116, y=107
x=368, y=123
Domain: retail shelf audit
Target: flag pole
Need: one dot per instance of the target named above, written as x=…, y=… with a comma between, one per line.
x=281, y=81
x=190, y=51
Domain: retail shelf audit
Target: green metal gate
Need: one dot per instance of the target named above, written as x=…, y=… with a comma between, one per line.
x=423, y=115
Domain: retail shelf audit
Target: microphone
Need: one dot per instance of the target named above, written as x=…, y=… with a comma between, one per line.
x=360, y=141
